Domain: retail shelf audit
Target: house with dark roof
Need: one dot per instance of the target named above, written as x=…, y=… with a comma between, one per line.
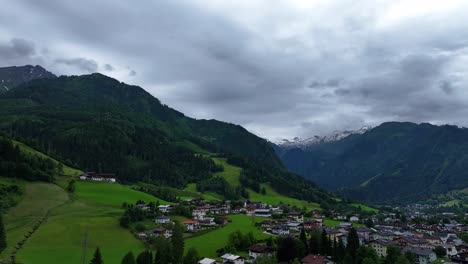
x=256, y=251
x=423, y=255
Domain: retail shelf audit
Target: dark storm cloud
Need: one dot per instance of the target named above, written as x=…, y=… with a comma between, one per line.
x=292, y=68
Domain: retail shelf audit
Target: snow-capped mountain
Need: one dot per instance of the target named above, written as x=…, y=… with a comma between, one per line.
x=336, y=135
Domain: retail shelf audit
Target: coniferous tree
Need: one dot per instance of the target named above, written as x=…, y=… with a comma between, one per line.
x=353, y=244
x=314, y=242
x=3, y=242
x=177, y=243
x=191, y=257
x=164, y=252
x=324, y=243
x=97, y=258
x=145, y=257
x=129, y=258
x=303, y=238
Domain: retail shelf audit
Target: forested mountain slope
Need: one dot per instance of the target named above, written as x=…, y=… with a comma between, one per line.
x=394, y=162
x=97, y=123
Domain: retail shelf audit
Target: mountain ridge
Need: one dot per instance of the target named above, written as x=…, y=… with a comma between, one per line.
x=100, y=124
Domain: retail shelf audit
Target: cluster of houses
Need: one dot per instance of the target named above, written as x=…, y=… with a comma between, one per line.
x=419, y=239
x=100, y=177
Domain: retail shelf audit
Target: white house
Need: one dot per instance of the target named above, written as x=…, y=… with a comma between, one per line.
x=229, y=258
x=191, y=225
x=262, y=212
x=354, y=218
x=164, y=208
x=162, y=220
x=198, y=214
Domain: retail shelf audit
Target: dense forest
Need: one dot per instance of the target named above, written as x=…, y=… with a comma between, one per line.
x=392, y=163
x=97, y=123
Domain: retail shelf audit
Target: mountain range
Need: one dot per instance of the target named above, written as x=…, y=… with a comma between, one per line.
x=97, y=123
x=394, y=162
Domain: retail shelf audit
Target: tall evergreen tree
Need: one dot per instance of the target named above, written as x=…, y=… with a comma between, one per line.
x=129, y=258
x=177, y=243
x=3, y=242
x=97, y=258
x=145, y=257
x=324, y=243
x=314, y=241
x=303, y=238
x=191, y=257
x=164, y=252
x=353, y=244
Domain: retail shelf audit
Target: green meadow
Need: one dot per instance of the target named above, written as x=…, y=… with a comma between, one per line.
x=90, y=216
x=208, y=243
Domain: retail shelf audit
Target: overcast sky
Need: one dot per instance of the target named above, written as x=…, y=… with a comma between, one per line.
x=279, y=68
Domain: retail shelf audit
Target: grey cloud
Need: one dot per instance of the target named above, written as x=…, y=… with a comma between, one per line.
x=83, y=64
x=277, y=69
x=17, y=48
x=108, y=67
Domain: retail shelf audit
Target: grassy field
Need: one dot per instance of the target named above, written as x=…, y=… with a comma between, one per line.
x=35, y=204
x=209, y=196
x=66, y=170
x=91, y=213
x=365, y=208
x=274, y=198
x=208, y=243
x=231, y=173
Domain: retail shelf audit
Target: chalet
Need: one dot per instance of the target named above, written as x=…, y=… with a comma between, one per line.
x=296, y=216
x=423, y=255
x=162, y=220
x=224, y=210
x=406, y=241
x=345, y=225
x=364, y=232
x=160, y=232
x=385, y=235
x=451, y=249
x=207, y=221
x=198, y=214
x=143, y=207
x=312, y=224
x=207, y=261
x=256, y=251
x=93, y=176
x=232, y=259
x=314, y=259
x=380, y=246
x=316, y=213
x=280, y=230
x=191, y=225
x=294, y=226
x=164, y=208
x=354, y=218
x=262, y=212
